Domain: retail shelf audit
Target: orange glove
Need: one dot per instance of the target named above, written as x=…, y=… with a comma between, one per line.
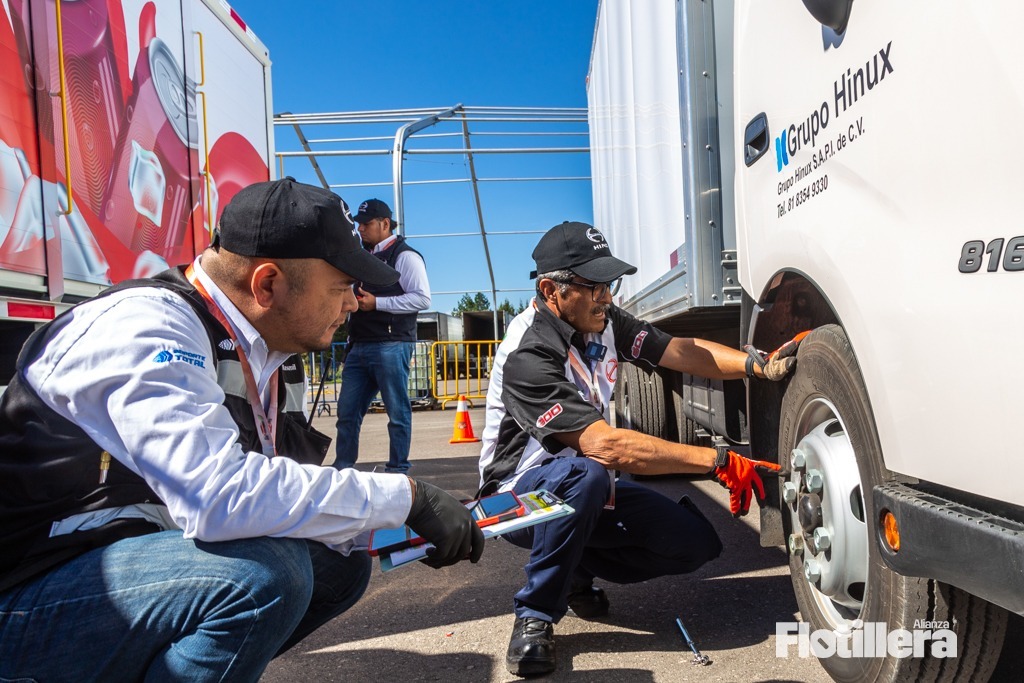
x=740, y=475
x=778, y=363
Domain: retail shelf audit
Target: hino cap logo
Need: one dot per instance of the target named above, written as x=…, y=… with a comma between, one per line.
x=594, y=235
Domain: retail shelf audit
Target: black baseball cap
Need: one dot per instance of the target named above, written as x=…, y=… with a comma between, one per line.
x=581, y=248
x=370, y=209
x=288, y=219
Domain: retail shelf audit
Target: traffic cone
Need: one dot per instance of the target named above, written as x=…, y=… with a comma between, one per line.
x=463, y=432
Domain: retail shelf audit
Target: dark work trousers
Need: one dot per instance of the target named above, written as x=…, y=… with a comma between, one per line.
x=645, y=536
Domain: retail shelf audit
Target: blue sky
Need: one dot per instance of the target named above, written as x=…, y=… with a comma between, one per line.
x=393, y=54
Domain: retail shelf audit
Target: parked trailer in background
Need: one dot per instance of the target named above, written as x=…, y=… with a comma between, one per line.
x=127, y=126
x=841, y=167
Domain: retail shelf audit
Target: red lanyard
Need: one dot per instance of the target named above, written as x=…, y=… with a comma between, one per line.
x=589, y=377
x=266, y=426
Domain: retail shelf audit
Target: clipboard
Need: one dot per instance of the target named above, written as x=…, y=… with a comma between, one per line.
x=540, y=506
x=497, y=508
x=392, y=540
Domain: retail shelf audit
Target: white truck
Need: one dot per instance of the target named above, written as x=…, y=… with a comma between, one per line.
x=127, y=125
x=847, y=168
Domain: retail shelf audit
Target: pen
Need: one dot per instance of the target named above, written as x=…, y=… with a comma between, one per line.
x=698, y=658
x=104, y=466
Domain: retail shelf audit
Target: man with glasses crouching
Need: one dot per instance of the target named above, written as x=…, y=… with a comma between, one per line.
x=547, y=428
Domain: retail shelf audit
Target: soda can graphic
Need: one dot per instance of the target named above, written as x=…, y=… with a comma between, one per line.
x=81, y=256
x=95, y=101
x=18, y=122
x=151, y=195
x=95, y=51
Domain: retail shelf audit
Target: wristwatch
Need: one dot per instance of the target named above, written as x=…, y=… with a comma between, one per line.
x=754, y=357
x=722, y=455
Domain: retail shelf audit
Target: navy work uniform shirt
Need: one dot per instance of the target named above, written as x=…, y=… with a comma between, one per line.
x=543, y=384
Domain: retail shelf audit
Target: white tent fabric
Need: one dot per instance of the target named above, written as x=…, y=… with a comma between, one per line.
x=635, y=136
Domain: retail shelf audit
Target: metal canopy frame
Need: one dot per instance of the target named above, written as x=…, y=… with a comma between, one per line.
x=547, y=130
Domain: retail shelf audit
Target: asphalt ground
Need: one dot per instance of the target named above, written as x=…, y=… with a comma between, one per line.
x=453, y=624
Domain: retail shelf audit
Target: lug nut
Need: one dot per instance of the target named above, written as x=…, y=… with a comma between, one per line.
x=796, y=544
x=789, y=492
x=797, y=459
x=812, y=571
x=815, y=480
x=822, y=539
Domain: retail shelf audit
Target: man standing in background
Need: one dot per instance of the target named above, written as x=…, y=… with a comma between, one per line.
x=381, y=340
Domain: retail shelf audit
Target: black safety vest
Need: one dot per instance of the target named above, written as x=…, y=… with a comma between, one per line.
x=49, y=467
x=377, y=325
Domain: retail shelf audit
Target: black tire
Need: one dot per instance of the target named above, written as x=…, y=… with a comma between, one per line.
x=640, y=401
x=827, y=413
x=686, y=427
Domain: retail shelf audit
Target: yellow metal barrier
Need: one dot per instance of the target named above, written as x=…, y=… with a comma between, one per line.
x=461, y=369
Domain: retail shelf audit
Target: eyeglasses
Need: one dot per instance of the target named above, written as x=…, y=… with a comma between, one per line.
x=599, y=290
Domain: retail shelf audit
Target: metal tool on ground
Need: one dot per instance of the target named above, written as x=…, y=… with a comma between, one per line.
x=698, y=658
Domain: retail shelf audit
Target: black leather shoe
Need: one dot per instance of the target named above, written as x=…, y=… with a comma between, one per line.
x=531, y=650
x=588, y=602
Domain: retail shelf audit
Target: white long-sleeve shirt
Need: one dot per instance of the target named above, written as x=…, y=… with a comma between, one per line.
x=412, y=276
x=166, y=422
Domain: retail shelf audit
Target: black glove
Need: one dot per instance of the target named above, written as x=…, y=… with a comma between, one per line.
x=444, y=521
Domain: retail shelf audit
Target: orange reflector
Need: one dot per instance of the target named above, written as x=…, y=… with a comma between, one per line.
x=892, y=531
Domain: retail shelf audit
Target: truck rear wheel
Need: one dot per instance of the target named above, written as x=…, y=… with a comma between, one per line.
x=640, y=401
x=689, y=430
x=828, y=431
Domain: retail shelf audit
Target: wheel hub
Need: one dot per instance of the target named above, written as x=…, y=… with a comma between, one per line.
x=827, y=513
x=809, y=512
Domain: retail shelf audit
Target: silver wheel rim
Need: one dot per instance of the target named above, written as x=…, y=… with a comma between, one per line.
x=839, y=577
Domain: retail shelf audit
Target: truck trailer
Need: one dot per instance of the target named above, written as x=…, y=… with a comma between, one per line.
x=127, y=126
x=841, y=167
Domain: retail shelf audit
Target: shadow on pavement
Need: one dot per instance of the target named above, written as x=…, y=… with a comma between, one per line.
x=385, y=664
x=453, y=624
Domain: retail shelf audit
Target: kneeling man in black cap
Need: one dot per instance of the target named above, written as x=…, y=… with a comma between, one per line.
x=547, y=428
x=164, y=514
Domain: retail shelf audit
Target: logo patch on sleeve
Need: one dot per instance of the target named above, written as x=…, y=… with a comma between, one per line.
x=552, y=412
x=638, y=343
x=168, y=356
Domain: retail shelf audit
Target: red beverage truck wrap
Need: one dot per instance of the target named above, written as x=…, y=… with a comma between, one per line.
x=127, y=125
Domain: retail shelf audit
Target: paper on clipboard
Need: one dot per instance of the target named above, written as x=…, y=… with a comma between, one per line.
x=541, y=506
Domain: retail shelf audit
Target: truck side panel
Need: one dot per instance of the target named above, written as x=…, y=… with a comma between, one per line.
x=633, y=112
x=887, y=187
x=235, y=142
x=659, y=91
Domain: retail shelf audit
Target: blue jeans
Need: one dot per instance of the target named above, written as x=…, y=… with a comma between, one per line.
x=372, y=367
x=162, y=608
x=647, y=535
